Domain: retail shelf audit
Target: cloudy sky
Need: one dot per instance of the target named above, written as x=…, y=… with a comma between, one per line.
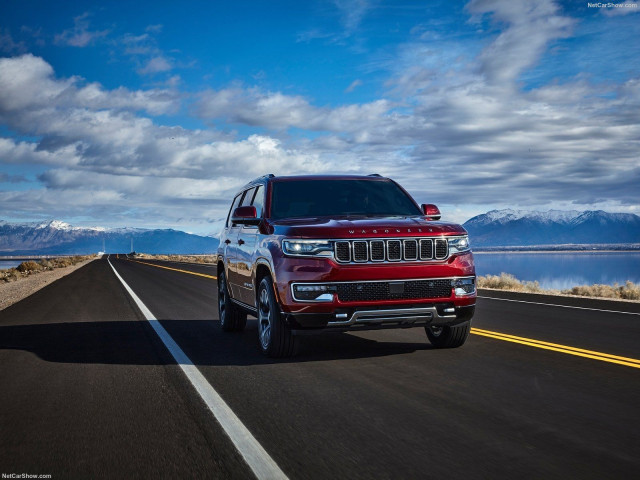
x=152, y=114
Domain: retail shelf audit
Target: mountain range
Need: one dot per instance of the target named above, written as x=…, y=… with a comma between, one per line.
x=554, y=227
x=58, y=238
x=497, y=228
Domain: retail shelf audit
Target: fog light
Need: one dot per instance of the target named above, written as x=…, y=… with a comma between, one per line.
x=464, y=286
x=313, y=293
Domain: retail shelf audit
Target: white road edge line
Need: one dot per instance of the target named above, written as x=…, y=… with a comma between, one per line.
x=256, y=457
x=564, y=306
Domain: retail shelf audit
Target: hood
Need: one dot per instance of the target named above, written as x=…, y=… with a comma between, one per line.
x=353, y=227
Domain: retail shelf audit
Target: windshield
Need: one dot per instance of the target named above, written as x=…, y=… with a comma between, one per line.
x=320, y=198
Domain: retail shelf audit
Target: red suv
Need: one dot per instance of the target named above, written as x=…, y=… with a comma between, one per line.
x=316, y=253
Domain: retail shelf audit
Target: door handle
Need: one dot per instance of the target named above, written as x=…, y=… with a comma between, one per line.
x=227, y=241
x=240, y=241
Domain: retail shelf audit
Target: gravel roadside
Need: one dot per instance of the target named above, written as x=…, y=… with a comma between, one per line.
x=13, y=292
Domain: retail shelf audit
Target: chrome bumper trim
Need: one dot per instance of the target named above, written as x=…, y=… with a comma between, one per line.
x=402, y=315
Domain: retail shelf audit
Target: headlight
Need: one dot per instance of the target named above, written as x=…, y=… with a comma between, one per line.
x=459, y=244
x=307, y=248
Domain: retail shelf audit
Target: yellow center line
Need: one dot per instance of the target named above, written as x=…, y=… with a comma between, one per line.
x=580, y=352
x=175, y=269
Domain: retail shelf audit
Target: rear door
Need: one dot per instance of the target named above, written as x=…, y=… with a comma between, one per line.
x=247, y=239
x=247, y=246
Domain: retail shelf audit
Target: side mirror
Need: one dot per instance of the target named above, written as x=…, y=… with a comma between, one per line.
x=431, y=211
x=246, y=215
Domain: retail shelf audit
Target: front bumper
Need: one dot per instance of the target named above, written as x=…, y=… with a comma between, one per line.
x=367, y=318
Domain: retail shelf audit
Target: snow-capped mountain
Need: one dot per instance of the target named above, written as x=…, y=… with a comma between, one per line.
x=523, y=228
x=56, y=237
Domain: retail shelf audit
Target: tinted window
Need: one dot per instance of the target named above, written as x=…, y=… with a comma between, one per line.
x=317, y=198
x=234, y=205
x=258, y=200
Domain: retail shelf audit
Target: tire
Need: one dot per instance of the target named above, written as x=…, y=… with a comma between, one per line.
x=274, y=336
x=232, y=318
x=449, y=337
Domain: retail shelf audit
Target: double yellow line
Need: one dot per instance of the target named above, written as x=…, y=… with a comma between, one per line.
x=174, y=269
x=579, y=352
x=530, y=342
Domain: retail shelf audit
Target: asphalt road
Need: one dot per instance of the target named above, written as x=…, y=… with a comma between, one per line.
x=88, y=389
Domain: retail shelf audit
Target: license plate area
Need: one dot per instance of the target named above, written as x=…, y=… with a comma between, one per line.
x=396, y=288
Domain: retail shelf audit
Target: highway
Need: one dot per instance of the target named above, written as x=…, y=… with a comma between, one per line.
x=545, y=387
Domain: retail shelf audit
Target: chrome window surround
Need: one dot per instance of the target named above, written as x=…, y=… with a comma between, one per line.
x=293, y=292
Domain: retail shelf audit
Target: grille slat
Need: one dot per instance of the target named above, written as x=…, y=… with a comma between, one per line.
x=394, y=250
x=426, y=249
x=410, y=249
x=360, y=251
x=343, y=251
x=391, y=250
x=377, y=250
x=442, y=248
x=413, y=289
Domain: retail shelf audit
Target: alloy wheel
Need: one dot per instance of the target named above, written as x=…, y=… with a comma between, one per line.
x=264, y=319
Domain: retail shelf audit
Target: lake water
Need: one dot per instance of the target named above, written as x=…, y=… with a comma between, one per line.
x=563, y=270
x=552, y=270
x=5, y=264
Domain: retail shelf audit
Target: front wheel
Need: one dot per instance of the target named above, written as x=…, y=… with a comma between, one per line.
x=232, y=318
x=274, y=336
x=448, y=337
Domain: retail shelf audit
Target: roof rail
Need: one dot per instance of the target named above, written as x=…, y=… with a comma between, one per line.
x=269, y=175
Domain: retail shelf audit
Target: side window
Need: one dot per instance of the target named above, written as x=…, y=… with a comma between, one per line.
x=258, y=200
x=234, y=205
x=246, y=200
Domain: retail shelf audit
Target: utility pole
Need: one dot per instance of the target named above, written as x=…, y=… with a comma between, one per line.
x=132, y=244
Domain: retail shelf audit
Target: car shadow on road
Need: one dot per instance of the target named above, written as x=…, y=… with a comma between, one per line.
x=136, y=343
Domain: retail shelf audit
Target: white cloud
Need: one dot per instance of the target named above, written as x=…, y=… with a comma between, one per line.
x=28, y=83
x=275, y=110
x=352, y=12
x=9, y=45
x=104, y=157
x=353, y=85
x=79, y=35
x=531, y=26
x=156, y=65
x=143, y=50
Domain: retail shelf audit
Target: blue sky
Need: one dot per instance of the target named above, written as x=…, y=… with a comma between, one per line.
x=152, y=114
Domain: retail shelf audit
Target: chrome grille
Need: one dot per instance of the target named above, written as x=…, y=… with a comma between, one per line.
x=442, y=248
x=410, y=249
x=377, y=250
x=426, y=249
x=343, y=251
x=391, y=250
x=360, y=252
x=394, y=251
